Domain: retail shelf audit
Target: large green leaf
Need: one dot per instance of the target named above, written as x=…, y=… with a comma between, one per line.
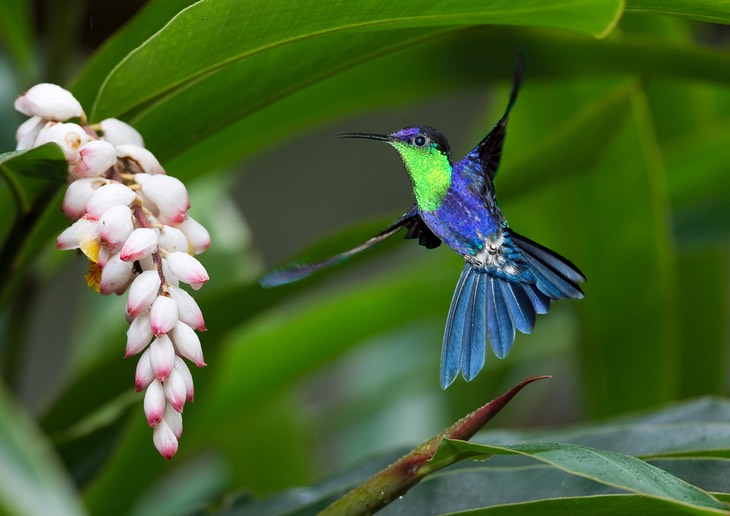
x=32, y=480
x=715, y=11
x=32, y=178
x=610, y=468
x=697, y=431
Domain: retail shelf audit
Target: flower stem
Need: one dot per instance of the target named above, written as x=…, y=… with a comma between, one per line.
x=392, y=482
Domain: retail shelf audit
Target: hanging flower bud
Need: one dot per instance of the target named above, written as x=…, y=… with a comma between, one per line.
x=96, y=157
x=115, y=276
x=119, y=133
x=112, y=194
x=168, y=194
x=144, y=375
x=163, y=315
x=28, y=131
x=162, y=357
x=146, y=161
x=49, y=101
x=187, y=343
x=164, y=439
x=173, y=418
x=78, y=194
x=198, y=236
x=154, y=402
x=187, y=309
x=70, y=137
x=187, y=269
x=143, y=292
x=175, y=391
x=172, y=239
x=142, y=242
x=139, y=334
x=182, y=368
x=115, y=226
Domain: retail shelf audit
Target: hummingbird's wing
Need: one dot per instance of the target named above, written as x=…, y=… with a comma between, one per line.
x=485, y=157
x=411, y=220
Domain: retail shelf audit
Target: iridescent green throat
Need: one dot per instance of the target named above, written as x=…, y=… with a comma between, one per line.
x=430, y=171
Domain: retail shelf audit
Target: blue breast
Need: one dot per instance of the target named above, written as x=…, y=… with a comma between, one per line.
x=464, y=220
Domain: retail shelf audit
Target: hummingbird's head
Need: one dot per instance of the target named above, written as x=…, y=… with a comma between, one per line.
x=427, y=156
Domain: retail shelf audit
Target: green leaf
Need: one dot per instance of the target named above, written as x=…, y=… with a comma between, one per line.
x=610, y=468
x=714, y=11
x=33, y=481
x=32, y=178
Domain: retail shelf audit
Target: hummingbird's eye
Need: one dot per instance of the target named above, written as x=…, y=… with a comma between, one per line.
x=419, y=141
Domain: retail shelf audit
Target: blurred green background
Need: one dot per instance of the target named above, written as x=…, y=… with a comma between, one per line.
x=616, y=157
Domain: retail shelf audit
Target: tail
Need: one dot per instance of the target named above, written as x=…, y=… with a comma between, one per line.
x=486, y=304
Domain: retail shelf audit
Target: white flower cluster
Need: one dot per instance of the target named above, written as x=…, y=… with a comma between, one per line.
x=130, y=220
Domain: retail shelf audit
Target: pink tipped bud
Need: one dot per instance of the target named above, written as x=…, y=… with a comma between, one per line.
x=78, y=194
x=172, y=239
x=168, y=194
x=154, y=402
x=115, y=226
x=188, y=310
x=187, y=269
x=182, y=368
x=146, y=161
x=118, y=133
x=173, y=418
x=143, y=292
x=49, y=101
x=109, y=195
x=28, y=131
x=165, y=440
x=70, y=137
x=74, y=236
x=163, y=315
x=187, y=343
x=139, y=334
x=198, y=236
x=162, y=357
x=96, y=157
x=115, y=276
x=144, y=373
x=175, y=390
x=142, y=242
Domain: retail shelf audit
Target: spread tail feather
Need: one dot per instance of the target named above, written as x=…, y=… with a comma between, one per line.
x=488, y=305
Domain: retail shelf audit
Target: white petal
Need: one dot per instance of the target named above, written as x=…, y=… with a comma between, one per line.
x=143, y=291
x=139, y=334
x=118, y=133
x=198, y=236
x=172, y=239
x=175, y=390
x=78, y=194
x=170, y=278
x=174, y=420
x=188, y=310
x=144, y=375
x=169, y=195
x=77, y=233
x=112, y=194
x=49, y=101
x=163, y=315
x=187, y=343
x=115, y=276
x=96, y=157
x=145, y=159
x=27, y=132
x=187, y=269
x=115, y=226
x=154, y=402
x=162, y=357
x=164, y=439
x=142, y=242
x=71, y=137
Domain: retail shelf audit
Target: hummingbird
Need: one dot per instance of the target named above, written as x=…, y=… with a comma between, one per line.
x=507, y=278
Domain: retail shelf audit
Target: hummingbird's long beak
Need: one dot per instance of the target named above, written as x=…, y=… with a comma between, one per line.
x=367, y=136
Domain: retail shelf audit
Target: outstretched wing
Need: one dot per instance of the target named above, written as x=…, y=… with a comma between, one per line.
x=487, y=154
x=411, y=220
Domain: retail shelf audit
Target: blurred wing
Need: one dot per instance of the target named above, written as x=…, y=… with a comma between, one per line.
x=486, y=156
x=412, y=220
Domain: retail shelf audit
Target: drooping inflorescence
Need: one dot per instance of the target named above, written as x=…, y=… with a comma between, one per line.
x=130, y=220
